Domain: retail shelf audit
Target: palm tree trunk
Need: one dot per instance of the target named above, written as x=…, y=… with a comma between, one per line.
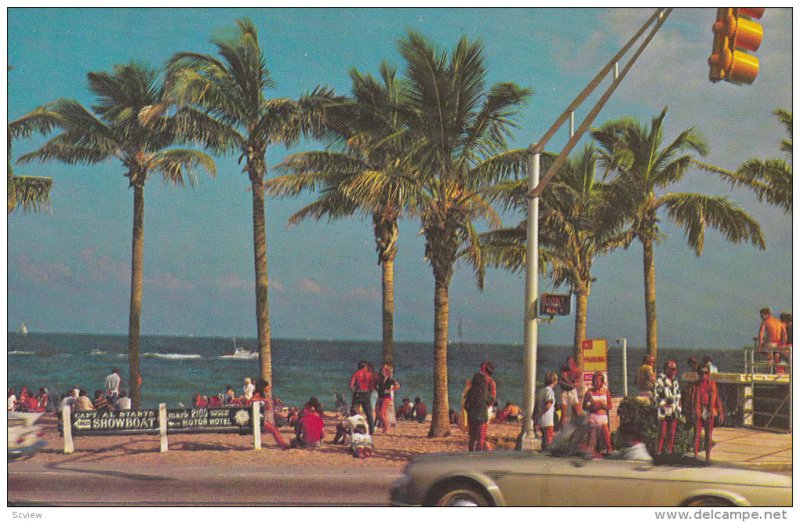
x=650, y=297
x=386, y=232
x=257, y=175
x=440, y=423
x=387, y=269
x=581, y=308
x=137, y=247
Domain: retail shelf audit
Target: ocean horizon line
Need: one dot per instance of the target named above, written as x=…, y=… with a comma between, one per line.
x=611, y=345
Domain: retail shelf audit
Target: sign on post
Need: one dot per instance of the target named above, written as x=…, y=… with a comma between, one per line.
x=226, y=420
x=554, y=304
x=595, y=359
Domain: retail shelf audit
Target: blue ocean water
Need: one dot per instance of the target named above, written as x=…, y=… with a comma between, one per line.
x=175, y=368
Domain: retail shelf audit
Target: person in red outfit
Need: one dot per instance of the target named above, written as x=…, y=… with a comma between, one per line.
x=707, y=406
x=385, y=386
x=362, y=383
x=310, y=426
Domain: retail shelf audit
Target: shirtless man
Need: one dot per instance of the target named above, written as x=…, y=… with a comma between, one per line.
x=775, y=334
x=569, y=380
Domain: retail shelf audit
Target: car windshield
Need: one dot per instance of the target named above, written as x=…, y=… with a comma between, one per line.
x=571, y=441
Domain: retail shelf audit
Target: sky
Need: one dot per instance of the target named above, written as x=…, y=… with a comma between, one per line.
x=69, y=269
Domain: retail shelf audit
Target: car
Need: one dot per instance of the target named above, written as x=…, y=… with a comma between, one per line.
x=24, y=435
x=565, y=476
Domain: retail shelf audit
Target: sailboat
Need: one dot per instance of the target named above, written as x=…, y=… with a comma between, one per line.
x=23, y=330
x=240, y=353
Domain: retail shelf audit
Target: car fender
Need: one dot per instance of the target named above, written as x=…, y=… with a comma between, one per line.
x=734, y=498
x=481, y=479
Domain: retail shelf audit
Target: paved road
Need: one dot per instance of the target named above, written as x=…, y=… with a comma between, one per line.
x=96, y=485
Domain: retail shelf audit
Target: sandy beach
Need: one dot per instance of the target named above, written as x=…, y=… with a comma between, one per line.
x=394, y=449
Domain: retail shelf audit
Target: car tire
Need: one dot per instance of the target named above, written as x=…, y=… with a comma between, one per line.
x=709, y=502
x=460, y=494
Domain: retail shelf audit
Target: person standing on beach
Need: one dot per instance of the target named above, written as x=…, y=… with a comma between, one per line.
x=482, y=394
x=597, y=402
x=569, y=381
x=113, y=383
x=775, y=334
x=385, y=386
x=706, y=408
x=545, y=403
x=248, y=389
x=667, y=398
x=646, y=376
x=362, y=383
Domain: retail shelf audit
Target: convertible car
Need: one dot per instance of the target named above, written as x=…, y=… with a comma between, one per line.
x=565, y=476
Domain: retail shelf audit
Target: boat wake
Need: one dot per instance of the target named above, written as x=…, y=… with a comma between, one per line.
x=21, y=352
x=174, y=355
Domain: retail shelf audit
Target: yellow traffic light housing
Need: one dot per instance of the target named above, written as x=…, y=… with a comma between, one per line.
x=735, y=32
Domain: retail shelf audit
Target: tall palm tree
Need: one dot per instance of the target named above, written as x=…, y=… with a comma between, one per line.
x=575, y=227
x=646, y=169
x=366, y=133
x=30, y=193
x=112, y=130
x=230, y=91
x=457, y=130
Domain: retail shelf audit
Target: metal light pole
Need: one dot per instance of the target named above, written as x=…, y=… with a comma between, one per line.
x=624, y=365
x=535, y=188
x=531, y=296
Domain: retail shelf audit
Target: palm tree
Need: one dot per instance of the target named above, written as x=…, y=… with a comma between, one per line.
x=770, y=179
x=646, y=168
x=238, y=116
x=112, y=130
x=575, y=227
x=30, y=193
x=367, y=131
x=457, y=131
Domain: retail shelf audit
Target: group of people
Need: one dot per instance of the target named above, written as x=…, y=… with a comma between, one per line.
x=416, y=411
x=363, y=383
x=595, y=405
x=27, y=400
x=478, y=397
x=701, y=406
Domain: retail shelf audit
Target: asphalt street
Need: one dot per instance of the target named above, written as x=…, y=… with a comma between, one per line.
x=51, y=484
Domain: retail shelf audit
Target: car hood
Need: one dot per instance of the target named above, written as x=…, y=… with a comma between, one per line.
x=498, y=461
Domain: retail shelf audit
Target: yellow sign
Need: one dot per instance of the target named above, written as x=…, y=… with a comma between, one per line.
x=595, y=355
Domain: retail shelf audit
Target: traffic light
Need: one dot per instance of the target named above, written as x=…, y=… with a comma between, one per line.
x=735, y=32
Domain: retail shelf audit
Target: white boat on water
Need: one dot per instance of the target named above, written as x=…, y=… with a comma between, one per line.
x=23, y=330
x=240, y=353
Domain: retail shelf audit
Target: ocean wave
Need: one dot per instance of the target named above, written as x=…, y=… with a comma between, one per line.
x=21, y=352
x=174, y=355
x=98, y=352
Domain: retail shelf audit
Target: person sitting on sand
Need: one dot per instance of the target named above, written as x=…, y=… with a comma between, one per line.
x=406, y=411
x=124, y=402
x=69, y=400
x=12, y=400
x=511, y=413
x=43, y=400
x=230, y=395
x=100, y=403
x=84, y=403
x=420, y=411
x=310, y=426
x=361, y=442
x=346, y=427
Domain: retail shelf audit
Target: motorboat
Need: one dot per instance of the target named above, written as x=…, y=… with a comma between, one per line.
x=240, y=353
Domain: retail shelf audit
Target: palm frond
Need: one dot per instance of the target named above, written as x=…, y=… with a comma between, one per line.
x=180, y=165
x=696, y=211
x=29, y=193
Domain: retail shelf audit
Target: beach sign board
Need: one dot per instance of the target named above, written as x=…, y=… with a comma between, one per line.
x=100, y=422
x=236, y=420
x=595, y=359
